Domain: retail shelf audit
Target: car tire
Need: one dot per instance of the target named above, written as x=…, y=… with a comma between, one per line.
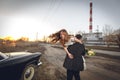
x=28, y=72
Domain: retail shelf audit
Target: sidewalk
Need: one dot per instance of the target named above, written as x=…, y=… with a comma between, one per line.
x=113, y=53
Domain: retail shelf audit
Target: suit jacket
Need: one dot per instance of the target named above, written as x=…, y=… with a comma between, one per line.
x=76, y=64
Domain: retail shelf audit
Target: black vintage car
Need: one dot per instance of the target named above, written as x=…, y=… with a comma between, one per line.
x=18, y=65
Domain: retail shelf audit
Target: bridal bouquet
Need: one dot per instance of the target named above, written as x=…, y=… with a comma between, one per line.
x=90, y=52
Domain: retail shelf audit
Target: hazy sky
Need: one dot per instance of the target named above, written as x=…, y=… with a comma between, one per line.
x=27, y=17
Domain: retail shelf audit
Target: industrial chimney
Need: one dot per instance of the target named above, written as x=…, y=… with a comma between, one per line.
x=90, y=20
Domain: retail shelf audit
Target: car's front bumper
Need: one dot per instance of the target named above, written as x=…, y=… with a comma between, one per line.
x=39, y=63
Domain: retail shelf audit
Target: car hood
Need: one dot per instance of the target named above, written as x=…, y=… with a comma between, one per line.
x=13, y=54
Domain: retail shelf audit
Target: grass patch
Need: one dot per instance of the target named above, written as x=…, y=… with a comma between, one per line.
x=23, y=46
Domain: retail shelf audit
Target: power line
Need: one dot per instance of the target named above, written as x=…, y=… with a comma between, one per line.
x=53, y=7
x=50, y=7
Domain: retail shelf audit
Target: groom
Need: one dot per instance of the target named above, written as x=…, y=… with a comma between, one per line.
x=75, y=65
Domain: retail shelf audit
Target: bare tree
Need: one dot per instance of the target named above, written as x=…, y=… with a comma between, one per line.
x=111, y=36
x=107, y=32
x=117, y=39
x=23, y=39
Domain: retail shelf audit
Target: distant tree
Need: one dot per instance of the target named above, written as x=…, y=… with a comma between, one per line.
x=8, y=38
x=23, y=39
x=111, y=36
x=117, y=39
x=107, y=32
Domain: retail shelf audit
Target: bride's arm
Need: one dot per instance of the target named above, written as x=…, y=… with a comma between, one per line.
x=69, y=54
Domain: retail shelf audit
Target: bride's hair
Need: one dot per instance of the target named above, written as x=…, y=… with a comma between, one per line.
x=55, y=37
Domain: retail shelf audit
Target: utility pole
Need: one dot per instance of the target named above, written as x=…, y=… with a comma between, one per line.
x=97, y=32
x=37, y=36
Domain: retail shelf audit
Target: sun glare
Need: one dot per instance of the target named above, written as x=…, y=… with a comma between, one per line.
x=8, y=38
x=26, y=26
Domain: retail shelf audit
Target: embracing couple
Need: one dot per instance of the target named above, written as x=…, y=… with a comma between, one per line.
x=74, y=49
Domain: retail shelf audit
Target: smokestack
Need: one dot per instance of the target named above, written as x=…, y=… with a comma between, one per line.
x=90, y=20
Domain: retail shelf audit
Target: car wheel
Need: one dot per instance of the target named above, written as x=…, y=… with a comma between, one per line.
x=28, y=72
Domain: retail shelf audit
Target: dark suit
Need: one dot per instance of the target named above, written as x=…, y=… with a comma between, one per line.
x=76, y=64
